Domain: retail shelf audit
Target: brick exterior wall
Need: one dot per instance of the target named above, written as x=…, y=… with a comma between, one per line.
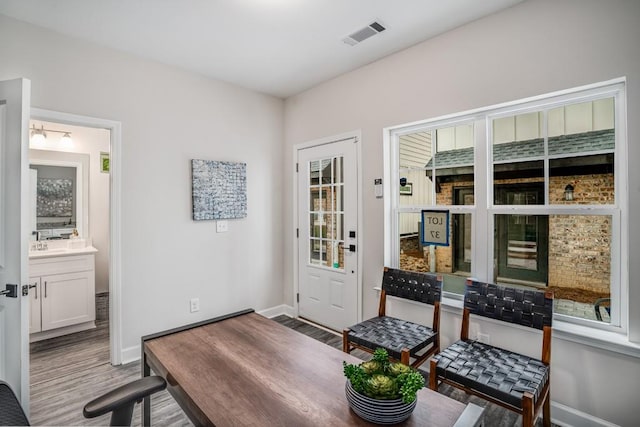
x=580, y=246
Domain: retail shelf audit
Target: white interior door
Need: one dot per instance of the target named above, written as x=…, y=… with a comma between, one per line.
x=327, y=235
x=14, y=177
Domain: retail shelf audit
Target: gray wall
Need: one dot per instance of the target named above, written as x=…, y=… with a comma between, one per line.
x=533, y=48
x=169, y=117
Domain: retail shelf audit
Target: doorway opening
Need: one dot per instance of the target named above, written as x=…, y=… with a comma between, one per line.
x=105, y=237
x=69, y=250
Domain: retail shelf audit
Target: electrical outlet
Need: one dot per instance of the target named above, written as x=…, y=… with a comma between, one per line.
x=483, y=338
x=194, y=305
x=222, y=226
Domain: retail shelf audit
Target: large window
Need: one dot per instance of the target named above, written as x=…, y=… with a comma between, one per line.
x=535, y=192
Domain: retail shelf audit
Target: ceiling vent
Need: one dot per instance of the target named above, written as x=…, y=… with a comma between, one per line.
x=363, y=34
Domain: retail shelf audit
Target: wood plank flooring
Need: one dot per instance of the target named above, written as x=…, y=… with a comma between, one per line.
x=67, y=372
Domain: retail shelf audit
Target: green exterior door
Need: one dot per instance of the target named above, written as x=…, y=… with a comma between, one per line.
x=522, y=241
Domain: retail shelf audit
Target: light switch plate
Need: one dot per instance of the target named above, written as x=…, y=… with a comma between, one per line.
x=222, y=226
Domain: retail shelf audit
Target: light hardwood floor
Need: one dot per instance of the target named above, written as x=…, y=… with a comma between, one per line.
x=69, y=371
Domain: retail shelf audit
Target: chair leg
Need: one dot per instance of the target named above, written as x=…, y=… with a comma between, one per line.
x=404, y=357
x=433, y=376
x=546, y=411
x=527, y=410
x=345, y=341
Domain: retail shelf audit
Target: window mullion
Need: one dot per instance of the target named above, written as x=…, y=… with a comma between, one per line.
x=481, y=259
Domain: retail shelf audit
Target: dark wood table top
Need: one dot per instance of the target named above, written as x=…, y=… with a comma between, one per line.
x=249, y=370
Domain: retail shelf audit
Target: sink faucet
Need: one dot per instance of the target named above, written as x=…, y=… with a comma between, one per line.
x=39, y=245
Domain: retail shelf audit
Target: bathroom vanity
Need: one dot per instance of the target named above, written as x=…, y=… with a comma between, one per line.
x=62, y=282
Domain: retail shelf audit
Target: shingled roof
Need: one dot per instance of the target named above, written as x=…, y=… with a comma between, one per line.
x=586, y=142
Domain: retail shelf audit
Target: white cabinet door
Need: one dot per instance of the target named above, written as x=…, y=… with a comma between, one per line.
x=67, y=299
x=35, y=296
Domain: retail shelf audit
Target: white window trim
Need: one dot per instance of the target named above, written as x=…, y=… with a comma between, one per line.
x=610, y=337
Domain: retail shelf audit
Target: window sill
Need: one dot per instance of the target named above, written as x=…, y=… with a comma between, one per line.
x=605, y=340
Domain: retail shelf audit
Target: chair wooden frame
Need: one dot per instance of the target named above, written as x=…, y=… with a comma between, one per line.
x=530, y=407
x=405, y=354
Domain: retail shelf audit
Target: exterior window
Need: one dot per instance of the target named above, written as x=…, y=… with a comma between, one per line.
x=438, y=166
x=550, y=214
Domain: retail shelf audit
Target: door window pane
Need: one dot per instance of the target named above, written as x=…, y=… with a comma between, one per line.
x=318, y=226
x=338, y=171
x=314, y=173
x=326, y=171
x=326, y=215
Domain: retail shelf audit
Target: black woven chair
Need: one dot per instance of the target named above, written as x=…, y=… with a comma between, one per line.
x=605, y=303
x=506, y=378
x=121, y=401
x=402, y=339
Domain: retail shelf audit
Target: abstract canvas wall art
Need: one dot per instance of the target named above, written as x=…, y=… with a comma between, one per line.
x=219, y=189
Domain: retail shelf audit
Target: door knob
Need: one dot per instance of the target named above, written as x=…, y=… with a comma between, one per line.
x=11, y=291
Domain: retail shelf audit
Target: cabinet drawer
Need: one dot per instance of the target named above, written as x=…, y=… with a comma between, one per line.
x=63, y=264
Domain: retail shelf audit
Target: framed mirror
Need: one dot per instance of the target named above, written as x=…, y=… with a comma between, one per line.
x=59, y=185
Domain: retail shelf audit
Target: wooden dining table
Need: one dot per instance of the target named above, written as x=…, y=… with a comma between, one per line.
x=243, y=369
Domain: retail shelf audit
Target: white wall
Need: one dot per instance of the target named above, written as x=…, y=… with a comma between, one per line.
x=536, y=47
x=169, y=117
x=92, y=142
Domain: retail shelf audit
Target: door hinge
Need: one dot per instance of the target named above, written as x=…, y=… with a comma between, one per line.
x=298, y=297
x=296, y=167
x=297, y=233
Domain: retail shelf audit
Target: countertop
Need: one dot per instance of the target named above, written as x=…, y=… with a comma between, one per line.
x=60, y=251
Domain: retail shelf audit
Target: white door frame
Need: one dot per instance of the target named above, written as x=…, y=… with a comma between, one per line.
x=357, y=134
x=115, y=176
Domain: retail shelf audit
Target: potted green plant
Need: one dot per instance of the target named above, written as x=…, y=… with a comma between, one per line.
x=380, y=391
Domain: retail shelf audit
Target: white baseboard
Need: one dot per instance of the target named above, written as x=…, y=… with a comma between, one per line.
x=568, y=417
x=278, y=310
x=130, y=354
x=45, y=335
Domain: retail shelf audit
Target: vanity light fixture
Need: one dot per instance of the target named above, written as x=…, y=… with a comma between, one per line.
x=66, y=139
x=38, y=136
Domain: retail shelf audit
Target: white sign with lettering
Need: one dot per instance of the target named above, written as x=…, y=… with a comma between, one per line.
x=435, y=228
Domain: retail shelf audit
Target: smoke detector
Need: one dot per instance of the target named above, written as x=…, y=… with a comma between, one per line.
x=363, y=33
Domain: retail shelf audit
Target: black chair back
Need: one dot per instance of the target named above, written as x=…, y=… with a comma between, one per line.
x=527, y=307
x=421, y=287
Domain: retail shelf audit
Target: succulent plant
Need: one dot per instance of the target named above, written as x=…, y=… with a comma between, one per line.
x=381, y=387
x=371, y=367
x=396, y=369
x=380, y=379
